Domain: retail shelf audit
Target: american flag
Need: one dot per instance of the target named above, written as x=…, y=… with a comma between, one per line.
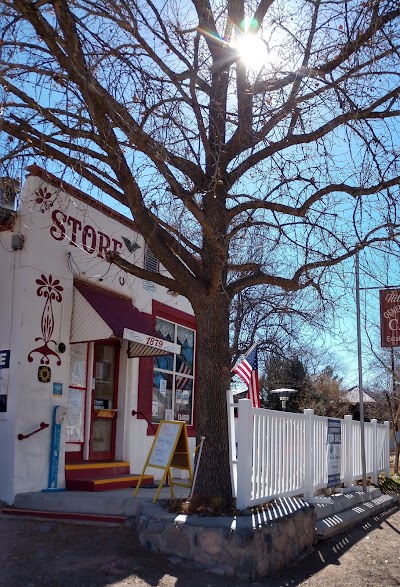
x=247, y=369
x=184, y=369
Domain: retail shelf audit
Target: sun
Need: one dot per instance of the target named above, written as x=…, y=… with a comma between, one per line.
x=252, y=50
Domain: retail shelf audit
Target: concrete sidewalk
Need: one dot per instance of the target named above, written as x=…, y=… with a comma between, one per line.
x=118, y=502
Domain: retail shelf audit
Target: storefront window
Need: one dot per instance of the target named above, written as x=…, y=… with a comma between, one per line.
x=173, y=376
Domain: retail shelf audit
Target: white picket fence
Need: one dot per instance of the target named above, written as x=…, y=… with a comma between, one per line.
x=280, y=454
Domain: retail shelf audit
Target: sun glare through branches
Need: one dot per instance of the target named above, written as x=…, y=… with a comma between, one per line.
x=252, y=48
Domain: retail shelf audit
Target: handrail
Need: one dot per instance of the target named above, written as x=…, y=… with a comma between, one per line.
x=135, y=413
x=42, y=426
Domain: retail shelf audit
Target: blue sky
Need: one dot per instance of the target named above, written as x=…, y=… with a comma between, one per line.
x=378, y=269
x=340, y=333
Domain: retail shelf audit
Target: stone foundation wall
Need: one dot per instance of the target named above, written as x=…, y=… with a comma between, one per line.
x=244, y=548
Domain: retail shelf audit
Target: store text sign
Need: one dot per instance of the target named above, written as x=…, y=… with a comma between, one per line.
x=390, y=317
x=152, y=341
x=80, y=234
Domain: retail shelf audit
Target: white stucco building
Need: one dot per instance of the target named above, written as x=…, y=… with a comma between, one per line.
x=79, y=333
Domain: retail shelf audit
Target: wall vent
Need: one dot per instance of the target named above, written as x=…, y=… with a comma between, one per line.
x=150, y=261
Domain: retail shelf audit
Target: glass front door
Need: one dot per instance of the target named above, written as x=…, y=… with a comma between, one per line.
x=104, y=402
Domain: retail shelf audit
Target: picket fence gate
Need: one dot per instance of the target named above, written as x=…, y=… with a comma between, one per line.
x=281, y=454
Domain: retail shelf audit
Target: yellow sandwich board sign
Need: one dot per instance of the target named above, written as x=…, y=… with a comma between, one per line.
x=170, y=448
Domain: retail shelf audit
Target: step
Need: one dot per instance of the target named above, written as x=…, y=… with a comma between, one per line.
x=344, y=500
x=342, y=520
x=71, y=516
x=121, y=502
x=96, y=470
x=108, y=483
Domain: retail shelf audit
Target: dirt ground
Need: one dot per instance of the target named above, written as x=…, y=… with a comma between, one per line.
x=49, y=553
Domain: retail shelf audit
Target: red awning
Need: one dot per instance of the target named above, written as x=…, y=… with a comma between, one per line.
x=99, y=314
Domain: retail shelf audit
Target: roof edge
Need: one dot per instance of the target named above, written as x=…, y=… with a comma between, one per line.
x=37, y=171
x=83, y=283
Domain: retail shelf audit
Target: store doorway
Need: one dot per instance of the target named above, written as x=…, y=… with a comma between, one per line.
x=104, y=402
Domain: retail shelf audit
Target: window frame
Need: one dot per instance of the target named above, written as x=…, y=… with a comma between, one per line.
x=146, y=367
x=174, y=374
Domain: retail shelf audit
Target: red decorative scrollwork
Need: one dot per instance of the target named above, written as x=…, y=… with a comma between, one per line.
x=51, y=290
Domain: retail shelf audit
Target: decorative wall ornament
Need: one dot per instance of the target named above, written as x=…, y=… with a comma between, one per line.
x=44, y=374
x=43, y=197
x=149, y=286
x=131, y=246
x=51, y=290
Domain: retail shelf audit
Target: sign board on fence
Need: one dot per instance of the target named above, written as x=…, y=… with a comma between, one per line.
x=334, y=441
x=390, y=317
x=170, y=448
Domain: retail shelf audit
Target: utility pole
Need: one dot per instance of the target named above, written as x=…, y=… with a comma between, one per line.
x=360, y=381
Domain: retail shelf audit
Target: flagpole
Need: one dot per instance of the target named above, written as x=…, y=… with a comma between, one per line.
x=240, y=357
x=246, y=367
x=253, y=346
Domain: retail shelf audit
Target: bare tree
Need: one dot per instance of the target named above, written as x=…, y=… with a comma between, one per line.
x=277, y=320
x=158, y=106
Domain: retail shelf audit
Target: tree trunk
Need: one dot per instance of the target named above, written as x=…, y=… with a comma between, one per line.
x=213, y=380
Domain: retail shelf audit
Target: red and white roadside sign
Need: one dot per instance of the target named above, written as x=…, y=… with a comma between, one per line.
x=390, y=317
